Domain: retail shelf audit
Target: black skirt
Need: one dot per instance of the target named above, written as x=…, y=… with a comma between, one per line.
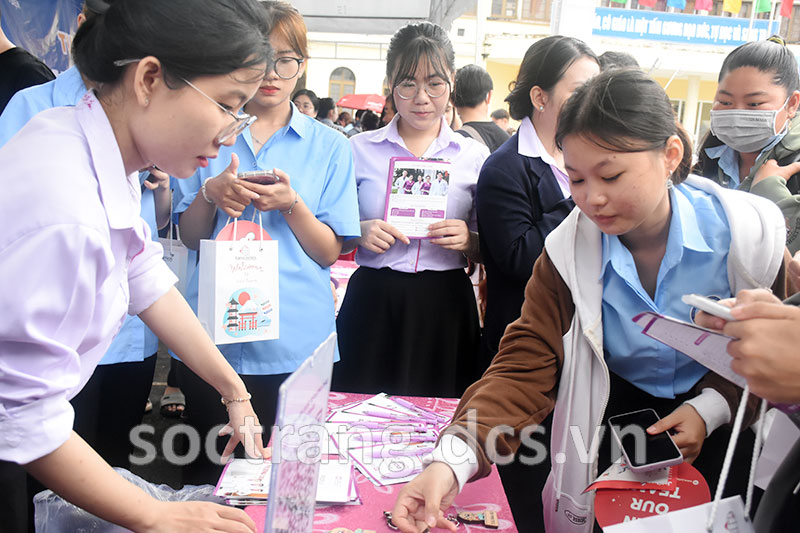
x=413, y=334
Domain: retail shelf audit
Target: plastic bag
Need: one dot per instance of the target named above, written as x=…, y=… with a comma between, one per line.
x=56, y=515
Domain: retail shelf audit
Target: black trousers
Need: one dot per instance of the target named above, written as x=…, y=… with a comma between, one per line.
x=110, y=405
x=204, y=412
x=106, y=409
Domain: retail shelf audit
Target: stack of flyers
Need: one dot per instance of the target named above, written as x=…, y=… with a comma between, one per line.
x=246, y=482
x=386, y=438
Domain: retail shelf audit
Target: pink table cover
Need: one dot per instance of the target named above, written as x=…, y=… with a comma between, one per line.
x=486, y=493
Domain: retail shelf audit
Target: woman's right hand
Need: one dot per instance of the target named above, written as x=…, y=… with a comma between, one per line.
x=227, y=192
x=422, y=502
x=169, y=517
x=378, y=235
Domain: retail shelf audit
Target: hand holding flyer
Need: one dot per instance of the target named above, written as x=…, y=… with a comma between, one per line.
x=416, y=195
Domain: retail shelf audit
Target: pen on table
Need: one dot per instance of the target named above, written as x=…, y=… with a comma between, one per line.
x=409, y=405
x=420, y=428
x=397, y=417
x=388, y=454
x=395, y=436
x=417, y=412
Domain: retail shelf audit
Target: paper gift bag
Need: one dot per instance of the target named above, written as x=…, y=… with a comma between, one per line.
x=238, y=288
x=730, y=517
x=176, y=255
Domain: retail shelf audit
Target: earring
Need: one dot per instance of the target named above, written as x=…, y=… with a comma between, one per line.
x=146, y=101
x=670, y=185
x=541, y=108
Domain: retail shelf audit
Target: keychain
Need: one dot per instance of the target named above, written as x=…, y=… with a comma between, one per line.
x=487, y=517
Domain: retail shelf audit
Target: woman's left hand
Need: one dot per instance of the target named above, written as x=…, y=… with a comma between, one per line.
x=452, y=234
x=689, y=428
x=772, y=168
x=243, y=426
x=278, y=196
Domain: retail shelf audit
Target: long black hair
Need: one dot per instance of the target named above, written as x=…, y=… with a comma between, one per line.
x=544, y=65
x=624, y=110
x=190, y=38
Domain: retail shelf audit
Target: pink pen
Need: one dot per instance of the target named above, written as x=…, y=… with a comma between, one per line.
x=409, y=405
x=391, y=427
x=399, y=417
x=388, y=454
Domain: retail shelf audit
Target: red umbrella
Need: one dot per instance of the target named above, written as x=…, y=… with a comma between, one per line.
x=373, y=102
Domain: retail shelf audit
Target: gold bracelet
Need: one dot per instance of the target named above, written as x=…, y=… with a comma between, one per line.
x=232, y=400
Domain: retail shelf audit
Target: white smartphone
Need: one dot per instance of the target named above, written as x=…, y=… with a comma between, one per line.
x=708, y=305
x=642, y=451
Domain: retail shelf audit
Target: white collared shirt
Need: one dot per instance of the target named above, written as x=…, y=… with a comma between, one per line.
x=531, y=146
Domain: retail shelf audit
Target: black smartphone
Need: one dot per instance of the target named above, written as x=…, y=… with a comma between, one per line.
x=262, y=177
x=643, y=451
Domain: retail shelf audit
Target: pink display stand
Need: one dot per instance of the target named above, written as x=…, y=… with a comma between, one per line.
x=486, y=493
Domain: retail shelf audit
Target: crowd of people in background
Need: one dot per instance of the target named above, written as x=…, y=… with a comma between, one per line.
x=590, y=207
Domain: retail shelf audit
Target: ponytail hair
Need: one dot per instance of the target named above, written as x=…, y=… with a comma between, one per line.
x=624, y=110
x=191, y=38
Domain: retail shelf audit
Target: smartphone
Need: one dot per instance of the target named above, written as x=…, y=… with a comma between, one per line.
x=643, y=451
x=262, y=177
x=708, y=305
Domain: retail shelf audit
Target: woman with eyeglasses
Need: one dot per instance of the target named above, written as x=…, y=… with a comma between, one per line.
x=306, y=101
x=409, y=323
x=310, y=211
x=76, y=257
x=754, y=141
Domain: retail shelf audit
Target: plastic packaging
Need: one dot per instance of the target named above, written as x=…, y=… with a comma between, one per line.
x=55, y=515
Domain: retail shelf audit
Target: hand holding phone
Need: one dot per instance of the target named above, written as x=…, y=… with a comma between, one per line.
x=262, y=177
x=642, y=451
x=708, y=305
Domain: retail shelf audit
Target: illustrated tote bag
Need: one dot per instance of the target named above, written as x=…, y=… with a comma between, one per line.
x=176, y=255
x=238, y=285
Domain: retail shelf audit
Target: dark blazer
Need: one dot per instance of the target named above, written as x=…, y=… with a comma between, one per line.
x=519, y=202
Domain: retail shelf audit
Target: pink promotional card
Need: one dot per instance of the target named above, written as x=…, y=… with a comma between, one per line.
x=416, y=194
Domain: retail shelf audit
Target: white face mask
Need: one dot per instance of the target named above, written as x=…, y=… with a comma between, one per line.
x=746, y=130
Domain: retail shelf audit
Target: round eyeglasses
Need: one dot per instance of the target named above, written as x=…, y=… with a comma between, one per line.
x=240, y=121
x=434, y=88
x=287, y=67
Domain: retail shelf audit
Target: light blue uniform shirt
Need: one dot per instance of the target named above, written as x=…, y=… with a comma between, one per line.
x=134, y=341
x=728, y=160
x=695, y=261
x=319, y=163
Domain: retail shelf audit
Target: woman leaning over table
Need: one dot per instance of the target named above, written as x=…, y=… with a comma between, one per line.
x=409, y=323
x=310, y=211
x=76, y=256
x=644, y=233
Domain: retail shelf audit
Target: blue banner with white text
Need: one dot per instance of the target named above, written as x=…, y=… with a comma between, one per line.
x=679, y=27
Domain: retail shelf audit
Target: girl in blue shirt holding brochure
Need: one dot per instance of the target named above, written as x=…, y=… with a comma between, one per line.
x=310, y=211
x=644, y=233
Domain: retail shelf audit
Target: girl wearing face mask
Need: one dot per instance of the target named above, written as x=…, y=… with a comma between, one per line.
x=754, y=140
x=310, y=211
x=384, y=346
x=644, y=232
